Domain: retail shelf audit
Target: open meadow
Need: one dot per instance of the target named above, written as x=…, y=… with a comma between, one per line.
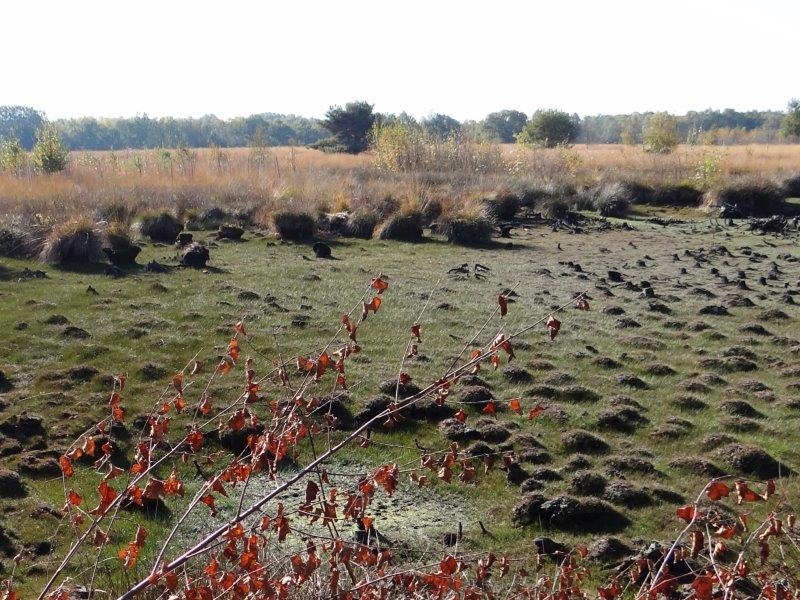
x=552, y=396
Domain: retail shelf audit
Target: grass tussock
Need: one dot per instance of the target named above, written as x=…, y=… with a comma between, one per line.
x=160, y=226
x=20, y=239
x=471, y=227
x=755, y=197
x=294, y=226
x=74, y=242
x=403, y=227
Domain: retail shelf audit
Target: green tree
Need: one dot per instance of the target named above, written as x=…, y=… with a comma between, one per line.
x=504, y=126
x=441, y=126
x=549, y=128
x=660, y=133
x=50, y=154
x=790, y=125
x=350, y=126
x=12, y=156
x=21, y=123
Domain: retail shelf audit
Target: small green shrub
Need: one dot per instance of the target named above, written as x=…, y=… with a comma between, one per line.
x=473, y=230
x=402, y=227
x=294, y=226
x=159, y=226
x=73, y=242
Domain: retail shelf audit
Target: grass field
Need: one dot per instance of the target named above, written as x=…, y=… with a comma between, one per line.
x=667, y=382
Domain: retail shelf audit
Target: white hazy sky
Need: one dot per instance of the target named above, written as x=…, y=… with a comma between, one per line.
x=463, y=58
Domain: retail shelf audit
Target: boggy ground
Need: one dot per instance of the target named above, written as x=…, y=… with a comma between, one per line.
x=645, y=396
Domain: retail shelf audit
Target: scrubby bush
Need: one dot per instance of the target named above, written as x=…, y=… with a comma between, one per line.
x=115, y=212
x=49, y=155
x=159, y=226
x=404, y=227
x=554, y=208
x=118, y=246
x=20, y=239
x=614, y=199
x=73, y=242
x=748, y=198
x=503, y=206
x=676, y=195
x=469, y=227
x=360, y=225
x=212, y=218
x=294, y=226
x=790, y=187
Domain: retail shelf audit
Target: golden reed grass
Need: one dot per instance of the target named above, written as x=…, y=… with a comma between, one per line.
x=268, y=179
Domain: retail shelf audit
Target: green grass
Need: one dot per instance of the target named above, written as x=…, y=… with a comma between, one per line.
x=169, y=319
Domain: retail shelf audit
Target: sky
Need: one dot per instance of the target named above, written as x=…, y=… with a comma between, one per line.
x=108, y=58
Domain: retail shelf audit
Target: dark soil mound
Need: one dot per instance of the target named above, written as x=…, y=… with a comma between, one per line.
x=517, y=374
x=696, y=465
x=604, y=362
x=587, y=483
x=403, y=390
x=580, y=440
x=11, y=485
x=491, y=431
x=608, y=550
x=659, y=370
x=687, y=402
x=455, y=430
x=630, y=380
x=740, y=408
x=752, y=460
x=578, y=393
x=624, y=494
x=620, y=418
x=715, y=440
x=629, y=464
x=626, y=323
x=589, y=515
x=715, y=310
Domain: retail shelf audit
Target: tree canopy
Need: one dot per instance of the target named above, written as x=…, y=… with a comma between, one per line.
x=350, y=126
x=549, y=128
x=503, y=126
x=790, y=126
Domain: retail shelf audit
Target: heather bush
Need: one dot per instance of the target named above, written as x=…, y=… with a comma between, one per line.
x=159, y=226
x=294, y=226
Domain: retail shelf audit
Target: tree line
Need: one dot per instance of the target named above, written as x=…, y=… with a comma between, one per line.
x=547, y=127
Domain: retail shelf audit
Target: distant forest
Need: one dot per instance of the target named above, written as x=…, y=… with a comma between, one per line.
x=269, y=129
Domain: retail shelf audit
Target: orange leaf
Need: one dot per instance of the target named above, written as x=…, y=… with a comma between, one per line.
x=553, y=326
x=74, y=498
x=225, y=365
x=581, y=303
x=448, y=565
x=208, y=500
x=233, y=349
x=687, y=513
x=196, y=367
x=702, y=586
x=239, y=328
x=515, y=406
x=489, y=409
x=66, y=466
x=416, y=331
x=717, y=490
x=177, y=382
x=379, y=285
x=503, y=301
x=461, y=416
x=536, y=411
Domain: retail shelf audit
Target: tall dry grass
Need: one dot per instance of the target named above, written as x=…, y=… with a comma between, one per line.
x=264, y=180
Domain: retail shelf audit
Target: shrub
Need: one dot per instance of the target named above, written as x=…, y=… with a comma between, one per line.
x=503, y=206
x=73, y=242
x=548, y=128
x=749, y=198
x=294, y=226
x=555, y=208
x=790, y=188
x=20, y=240
x=468, y=228
x=49, y=155
x=676, y=195
x=159, y=227
x=360, y=225
x=614, y=199
x=212, y=218
x=402, y=227
x=119, y=248
x=115, y=212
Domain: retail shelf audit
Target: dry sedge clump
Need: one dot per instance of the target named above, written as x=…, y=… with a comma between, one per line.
x=159, y=226
x=74, y=242
x=469, y=227
x=119, y=248
x=747, y=198
x=404, y=227
x=20, y=240
x=294, y=226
